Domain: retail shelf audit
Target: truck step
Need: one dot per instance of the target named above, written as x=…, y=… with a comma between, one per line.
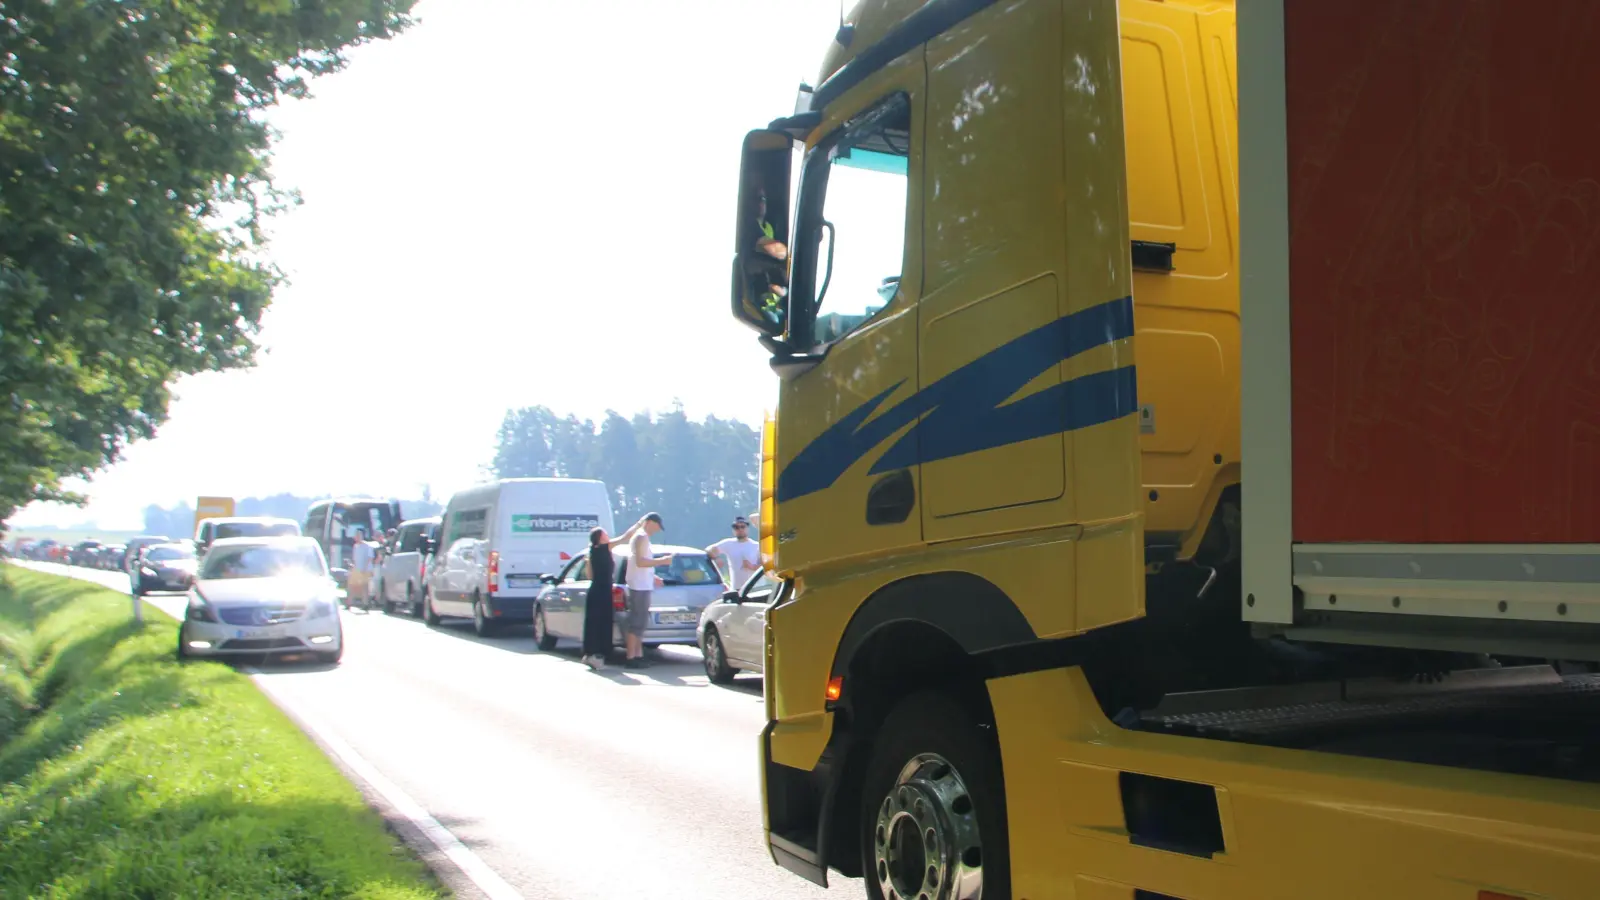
x=1524, y=702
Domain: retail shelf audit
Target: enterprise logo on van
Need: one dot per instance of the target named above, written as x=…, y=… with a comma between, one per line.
x=531, y=524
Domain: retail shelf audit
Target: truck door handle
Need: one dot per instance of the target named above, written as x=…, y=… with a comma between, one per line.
x=891, y=498
x=1153, y=256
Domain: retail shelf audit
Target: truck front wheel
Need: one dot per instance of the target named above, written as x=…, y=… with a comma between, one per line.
x=933, y=806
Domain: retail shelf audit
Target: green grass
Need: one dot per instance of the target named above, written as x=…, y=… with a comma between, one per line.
x=125, y=774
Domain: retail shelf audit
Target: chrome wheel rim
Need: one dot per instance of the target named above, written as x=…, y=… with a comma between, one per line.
x=926, y=844
x=713, y=654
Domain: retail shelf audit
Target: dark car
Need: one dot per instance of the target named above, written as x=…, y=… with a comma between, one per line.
x=163, y=567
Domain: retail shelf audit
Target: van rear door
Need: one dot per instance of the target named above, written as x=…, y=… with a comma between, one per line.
x=538, y=521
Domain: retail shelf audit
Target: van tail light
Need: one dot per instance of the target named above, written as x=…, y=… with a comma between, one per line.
x=618, y=598
x=494, y=571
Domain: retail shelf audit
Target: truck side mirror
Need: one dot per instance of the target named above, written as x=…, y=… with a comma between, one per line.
x=761, y=232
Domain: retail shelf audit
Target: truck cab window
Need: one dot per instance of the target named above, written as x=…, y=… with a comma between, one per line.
x=854, y=202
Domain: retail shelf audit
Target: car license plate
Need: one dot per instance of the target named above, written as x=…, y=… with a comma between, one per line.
x=249, y=634
x=676, y=618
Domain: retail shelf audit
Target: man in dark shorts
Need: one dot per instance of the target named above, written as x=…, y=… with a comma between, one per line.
x=642, y=581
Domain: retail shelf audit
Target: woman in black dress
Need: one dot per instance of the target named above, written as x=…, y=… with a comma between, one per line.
x=597, y=603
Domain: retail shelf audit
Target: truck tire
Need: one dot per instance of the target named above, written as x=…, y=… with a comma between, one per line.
x=934, y=772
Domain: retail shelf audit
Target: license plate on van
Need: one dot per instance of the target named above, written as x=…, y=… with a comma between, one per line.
x=522, y=581
x=676, y=618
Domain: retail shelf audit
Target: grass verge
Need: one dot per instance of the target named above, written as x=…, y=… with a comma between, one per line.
x=126, y=774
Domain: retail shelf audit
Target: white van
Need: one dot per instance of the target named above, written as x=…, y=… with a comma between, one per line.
x=497, y=540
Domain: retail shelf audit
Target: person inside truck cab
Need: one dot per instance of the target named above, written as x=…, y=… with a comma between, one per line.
x=767, y=259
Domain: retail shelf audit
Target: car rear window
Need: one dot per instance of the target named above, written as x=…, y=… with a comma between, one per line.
x=689, y=568
x=168, y=553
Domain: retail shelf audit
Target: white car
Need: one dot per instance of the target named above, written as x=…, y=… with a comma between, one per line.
x=400, y=575
x=212, y=530
x=263, y=596
x=732, y=631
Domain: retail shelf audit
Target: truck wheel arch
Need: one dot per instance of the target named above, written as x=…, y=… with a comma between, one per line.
x=971, y=611
x=935, y=621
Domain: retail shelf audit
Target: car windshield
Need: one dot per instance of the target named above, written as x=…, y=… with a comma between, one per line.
x=162, y=554
x=261, y=561
x=255, y=529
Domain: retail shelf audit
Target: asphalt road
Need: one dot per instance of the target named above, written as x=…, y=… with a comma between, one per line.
x=558, y=782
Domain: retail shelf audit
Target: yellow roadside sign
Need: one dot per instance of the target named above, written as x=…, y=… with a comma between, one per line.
x=211, y=508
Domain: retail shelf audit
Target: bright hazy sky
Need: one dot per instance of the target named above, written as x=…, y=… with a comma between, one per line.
x=482, y=195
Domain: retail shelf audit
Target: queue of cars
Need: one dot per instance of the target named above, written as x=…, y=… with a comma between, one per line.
x=509, y=553
x=513, y=552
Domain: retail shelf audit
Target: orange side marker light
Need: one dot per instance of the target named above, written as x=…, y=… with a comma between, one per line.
x=835, y=688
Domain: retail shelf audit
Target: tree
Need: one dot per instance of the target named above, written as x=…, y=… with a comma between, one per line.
x=698, y=475
x=134, y=183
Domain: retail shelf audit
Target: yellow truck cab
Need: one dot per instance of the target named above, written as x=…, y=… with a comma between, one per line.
x=1015, y=656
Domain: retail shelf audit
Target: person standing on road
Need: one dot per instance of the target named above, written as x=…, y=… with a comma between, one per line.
x=597, y=602
x=360, y=570
x=742, y=555
x=642, y=581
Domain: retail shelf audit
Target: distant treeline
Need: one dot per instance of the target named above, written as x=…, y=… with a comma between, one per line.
x=698, y=475
x=178, y=521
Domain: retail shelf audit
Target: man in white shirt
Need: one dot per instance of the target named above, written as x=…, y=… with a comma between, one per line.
x=642, y=580
x=360, y=577
x=742, y=555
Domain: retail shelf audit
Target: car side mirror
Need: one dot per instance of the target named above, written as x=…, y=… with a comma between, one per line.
x=730, y=596
x=550, y=579
x=761, y=232
x=341, y=577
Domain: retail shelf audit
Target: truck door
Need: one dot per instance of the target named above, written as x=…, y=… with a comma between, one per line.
x=847, y=481
x=1025, y=327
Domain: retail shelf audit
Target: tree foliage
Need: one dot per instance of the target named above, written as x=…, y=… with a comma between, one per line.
x=134, y=183
x=698, y=475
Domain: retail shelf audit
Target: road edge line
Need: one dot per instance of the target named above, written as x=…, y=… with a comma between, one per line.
x=482, y=876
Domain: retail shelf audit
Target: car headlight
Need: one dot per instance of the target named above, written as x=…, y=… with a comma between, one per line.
x=146, y=570
x=200, y=611
x=320, y=609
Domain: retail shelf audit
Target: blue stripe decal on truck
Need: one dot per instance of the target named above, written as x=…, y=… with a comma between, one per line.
x=962, y=412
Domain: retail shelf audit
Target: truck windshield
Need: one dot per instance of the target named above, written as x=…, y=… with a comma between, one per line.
x=861, y=179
